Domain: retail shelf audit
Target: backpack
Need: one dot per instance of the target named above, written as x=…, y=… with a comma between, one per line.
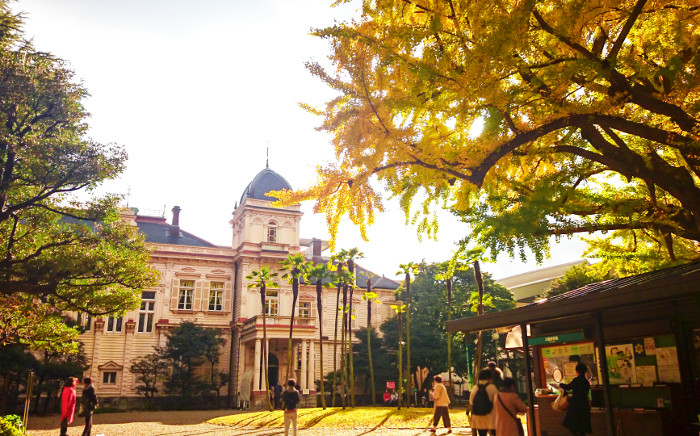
x=481, y=405
x=291, y=399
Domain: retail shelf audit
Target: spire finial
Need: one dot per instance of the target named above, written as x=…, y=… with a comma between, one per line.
x=267, y=156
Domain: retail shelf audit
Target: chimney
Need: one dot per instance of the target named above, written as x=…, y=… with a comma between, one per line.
x=316, y=249
x=175, y=226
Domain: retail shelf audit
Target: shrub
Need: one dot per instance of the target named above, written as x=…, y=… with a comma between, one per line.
x=11, y=425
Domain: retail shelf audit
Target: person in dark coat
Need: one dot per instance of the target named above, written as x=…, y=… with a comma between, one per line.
x=278, y=396
x=89, y=402
x=578, y=415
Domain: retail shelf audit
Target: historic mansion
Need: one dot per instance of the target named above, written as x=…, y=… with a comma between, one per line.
x=206, y=284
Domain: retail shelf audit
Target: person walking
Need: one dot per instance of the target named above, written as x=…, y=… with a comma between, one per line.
x=578, y=416
x=442, y=401
x=68, y=400
x=496, y=374
x=89, y=403
x=278, y=396
x=291, y=400
x=481, y=399
x=508, y=404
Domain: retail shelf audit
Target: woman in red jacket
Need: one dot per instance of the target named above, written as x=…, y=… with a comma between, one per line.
x=68, y=404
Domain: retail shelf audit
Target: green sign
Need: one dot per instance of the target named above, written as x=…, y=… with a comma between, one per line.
x=555, y=339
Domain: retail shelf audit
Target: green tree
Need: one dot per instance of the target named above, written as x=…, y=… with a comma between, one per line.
x=575, y=277
x=407, y=269
x=149, y=371
x=295, y=268
x=529, y=119
x=189, y=346
x=374, y=361
x=321, y=274
x=55, y=250
x=429, y=316
x=263, y=279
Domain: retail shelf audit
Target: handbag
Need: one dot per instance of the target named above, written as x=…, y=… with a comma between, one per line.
x=562, y=401
x=518, y=421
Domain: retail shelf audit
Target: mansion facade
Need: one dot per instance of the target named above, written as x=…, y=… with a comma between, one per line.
x=206, y=284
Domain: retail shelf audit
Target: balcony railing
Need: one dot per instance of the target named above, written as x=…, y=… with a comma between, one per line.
x=278, y=320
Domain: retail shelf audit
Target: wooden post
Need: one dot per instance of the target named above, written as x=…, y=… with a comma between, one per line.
x=600, y=343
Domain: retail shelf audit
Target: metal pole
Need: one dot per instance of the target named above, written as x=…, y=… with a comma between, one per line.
x=528, y=375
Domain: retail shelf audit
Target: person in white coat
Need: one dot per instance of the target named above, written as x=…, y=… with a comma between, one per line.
x=483, y=423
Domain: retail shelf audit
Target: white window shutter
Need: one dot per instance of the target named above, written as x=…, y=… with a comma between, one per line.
x=228, y=297
x=197, y=304
x=174, y=294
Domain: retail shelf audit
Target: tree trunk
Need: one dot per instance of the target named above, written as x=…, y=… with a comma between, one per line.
x=448, y=283
x=408, y=340
x=350, y=356
x=295, y=295
x=343, y=363
x=335, y=341
x=400, y=381
x=319, y=308
x=480, y=311
x=369, y=343
x=265, y=351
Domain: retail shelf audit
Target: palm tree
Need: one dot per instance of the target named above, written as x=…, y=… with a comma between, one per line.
x=447, y=271
x=370, y=297
x=408, y=269
x=350, y=256
x=399, y=308
x=339, y=286
x=264, y=278
x=294, y=268
x=317, y=274
x=479, y=312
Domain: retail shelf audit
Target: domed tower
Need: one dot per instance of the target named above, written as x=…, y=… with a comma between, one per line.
x=260, y=228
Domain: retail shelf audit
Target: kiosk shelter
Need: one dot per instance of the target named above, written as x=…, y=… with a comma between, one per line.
x=639, y=337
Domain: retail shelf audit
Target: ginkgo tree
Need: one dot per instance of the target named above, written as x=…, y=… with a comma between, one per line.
x=529, y=119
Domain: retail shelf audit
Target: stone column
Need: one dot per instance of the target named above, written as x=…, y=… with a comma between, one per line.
x=256, y=367
x=302, y=382
x=312, y=367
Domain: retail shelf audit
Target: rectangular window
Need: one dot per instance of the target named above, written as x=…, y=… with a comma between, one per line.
x=272, y=232
x=306, y=309
x=216, y=296
x=109, y=377
x=272, y=302
x=114, y=324
x=184, y=301
x=146, y=311
x=85, y=321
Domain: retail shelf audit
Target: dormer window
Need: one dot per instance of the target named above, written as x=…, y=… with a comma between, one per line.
x=272, y=231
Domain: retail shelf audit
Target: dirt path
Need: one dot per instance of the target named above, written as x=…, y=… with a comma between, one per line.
x=193, y=423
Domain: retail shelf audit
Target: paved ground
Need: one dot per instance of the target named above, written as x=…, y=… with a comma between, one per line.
x=192, y=423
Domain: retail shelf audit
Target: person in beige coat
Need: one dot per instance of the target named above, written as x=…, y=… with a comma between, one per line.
x=507, y=405
x=442, y=401
x=484, y=423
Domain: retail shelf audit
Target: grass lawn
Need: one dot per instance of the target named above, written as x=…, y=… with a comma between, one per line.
x=335, y=417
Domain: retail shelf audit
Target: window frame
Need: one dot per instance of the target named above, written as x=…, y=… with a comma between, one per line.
x=114, y=324
x=271, y=231
x=217, y=293
x=272, y=302
x=109, y=378
x=146, y=312
x=310, y=309
x=185, y=294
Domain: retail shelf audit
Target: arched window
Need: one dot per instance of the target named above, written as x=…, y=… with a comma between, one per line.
x=272, y=231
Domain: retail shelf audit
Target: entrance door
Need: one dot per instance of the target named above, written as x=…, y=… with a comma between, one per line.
x=272, y=369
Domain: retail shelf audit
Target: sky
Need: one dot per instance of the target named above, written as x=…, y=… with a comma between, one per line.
x=198, y=91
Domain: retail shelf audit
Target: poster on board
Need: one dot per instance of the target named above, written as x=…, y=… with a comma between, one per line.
x=621, y=364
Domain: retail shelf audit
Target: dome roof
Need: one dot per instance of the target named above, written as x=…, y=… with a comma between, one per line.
x=266, y=181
